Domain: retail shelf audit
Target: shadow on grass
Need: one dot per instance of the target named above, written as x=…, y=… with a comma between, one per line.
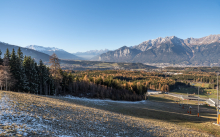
x=191, y=90
x=177, y=115
x=153, y=98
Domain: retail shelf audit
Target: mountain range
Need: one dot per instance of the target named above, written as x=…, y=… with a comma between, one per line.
x=28, y=52
x=191, y=51
x=61, y=54
x=197, y=51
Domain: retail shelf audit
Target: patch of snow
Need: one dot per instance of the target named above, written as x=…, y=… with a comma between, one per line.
x=104, y=101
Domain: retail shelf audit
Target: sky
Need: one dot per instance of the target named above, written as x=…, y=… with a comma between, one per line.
x=82, y=25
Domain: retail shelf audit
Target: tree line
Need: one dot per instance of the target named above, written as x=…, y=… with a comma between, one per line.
x=22, y=73
x=135, y=81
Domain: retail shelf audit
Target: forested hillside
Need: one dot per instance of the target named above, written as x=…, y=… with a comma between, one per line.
x=22, y=73
x=28, y=52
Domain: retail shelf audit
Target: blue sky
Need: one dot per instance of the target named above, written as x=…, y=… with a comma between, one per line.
x=82, y=25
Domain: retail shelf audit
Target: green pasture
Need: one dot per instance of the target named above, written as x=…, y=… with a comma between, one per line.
x=204, y=92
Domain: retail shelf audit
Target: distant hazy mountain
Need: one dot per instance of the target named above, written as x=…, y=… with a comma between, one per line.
x=62, y=54
x=28, y=52
x=90, y=54
x=198, y=51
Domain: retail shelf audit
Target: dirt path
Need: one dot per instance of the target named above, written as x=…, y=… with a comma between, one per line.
x=31, y=115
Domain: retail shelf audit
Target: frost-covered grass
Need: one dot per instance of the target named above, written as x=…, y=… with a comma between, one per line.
x=104, y=101
x=18, y=122
x=33, y=115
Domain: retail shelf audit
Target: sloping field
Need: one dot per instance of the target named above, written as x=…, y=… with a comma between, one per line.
x=24, y=114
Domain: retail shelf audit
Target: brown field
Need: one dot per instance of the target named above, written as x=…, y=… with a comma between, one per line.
x=59, y=116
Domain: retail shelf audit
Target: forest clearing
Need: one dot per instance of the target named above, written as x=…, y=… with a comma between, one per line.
x=24, y=114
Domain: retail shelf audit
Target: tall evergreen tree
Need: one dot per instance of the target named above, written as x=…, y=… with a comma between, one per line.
x=22, y=83
x=40, y=74
x=7, y=54
x=44, y=78
x=14, y=68
x=31, y=73
x=13, y=63
x=51, y=88
x=20, y=54
x=36, y=77
x=1, y=60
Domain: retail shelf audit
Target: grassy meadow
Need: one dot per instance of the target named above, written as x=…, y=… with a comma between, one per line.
x=204, y=91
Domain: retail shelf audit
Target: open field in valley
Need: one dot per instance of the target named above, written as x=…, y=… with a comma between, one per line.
x=204, y=92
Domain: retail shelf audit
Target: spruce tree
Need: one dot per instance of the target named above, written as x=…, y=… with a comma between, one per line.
x=20, y=54
x=1, y=60
x=40, y=74
x=14, y=68
x=46, y=79
x=13, y=63
x=22, y=79
x=43, y=74
x=31, y=73
x=36, y=77
x=7, y=54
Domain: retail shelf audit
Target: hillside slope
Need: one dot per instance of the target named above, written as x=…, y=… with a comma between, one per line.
x=33, y=115
x=28, y=52
x=61, y=54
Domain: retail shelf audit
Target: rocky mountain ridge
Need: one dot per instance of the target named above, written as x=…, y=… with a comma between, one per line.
x=196, y=51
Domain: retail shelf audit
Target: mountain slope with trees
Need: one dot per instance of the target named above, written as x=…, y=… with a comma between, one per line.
x=22, y=74
x=28, y=52
x=62, y=54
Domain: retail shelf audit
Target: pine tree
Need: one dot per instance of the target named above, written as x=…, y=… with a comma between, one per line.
x=31, y=73
x=22, y=83
x=40, y=74
x=36, y=77
x=14, y=65
x=43, y=74
x=1, y=60
x=20, y=54
x=7, y=54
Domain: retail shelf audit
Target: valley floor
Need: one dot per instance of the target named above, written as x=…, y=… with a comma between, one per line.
x=24, y=114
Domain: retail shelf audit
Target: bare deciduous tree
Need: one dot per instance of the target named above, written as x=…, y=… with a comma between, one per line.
x=55, y=71
x=6, y=77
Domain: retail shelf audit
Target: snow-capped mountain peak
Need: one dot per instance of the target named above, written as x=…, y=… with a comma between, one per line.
x=41, y=48
x=156, y=42
x=62, y=54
